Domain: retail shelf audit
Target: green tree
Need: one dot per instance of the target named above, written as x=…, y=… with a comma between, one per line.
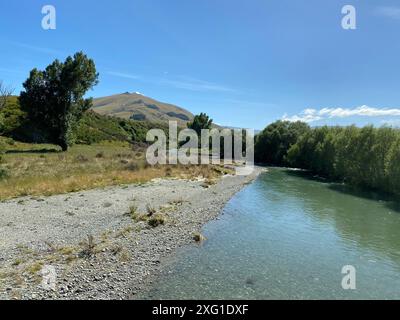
x=201, y=121
x=274, y=142
x=54, y=98
x=11, y=117
x=366, y=157
x=392, y=166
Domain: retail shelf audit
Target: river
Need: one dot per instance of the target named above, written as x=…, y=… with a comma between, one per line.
x=288, y=236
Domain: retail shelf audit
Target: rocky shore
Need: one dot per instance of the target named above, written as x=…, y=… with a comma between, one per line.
x=101, y=243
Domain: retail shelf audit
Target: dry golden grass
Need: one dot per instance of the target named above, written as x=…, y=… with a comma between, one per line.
x=42, y=170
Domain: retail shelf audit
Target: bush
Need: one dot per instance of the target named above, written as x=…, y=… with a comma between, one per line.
x=95, y=128
x=366, y=157
x=11, y=117
x=156, y=220
x=3, y=173
x=273, y=143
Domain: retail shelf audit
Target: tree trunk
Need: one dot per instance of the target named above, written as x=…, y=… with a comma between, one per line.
x=64, y=146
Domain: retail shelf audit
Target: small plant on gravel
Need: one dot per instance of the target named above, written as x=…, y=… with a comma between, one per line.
x=124, y=232
x=18, y=261
x=156, y=220
x=208, y=183
x=198, y=237
x=34, y=268
x=134, y=214
x=51, y=246
x=116, y=249
x=150, y=210
x=124, y=256
x=65, y=251
x=177, y=202
x=88, y=247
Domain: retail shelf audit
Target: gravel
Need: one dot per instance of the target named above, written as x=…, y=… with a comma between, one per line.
x=126, y=253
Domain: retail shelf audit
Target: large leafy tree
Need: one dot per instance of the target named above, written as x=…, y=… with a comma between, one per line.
x=54, y=98
x=273, y=143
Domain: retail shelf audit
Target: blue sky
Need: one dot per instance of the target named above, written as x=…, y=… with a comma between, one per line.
x=246, y=63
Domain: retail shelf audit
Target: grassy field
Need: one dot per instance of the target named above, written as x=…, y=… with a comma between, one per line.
x=42, y=170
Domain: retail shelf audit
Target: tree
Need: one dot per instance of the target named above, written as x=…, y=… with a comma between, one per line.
x=274, y=142
x=11, y=117
x=5, y=94
x=53, y=98
x=201, y=121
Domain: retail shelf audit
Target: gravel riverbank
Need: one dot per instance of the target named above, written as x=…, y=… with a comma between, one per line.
x=98, y=250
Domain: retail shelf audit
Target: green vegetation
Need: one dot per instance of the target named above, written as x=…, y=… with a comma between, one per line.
x=201, y=121
x=53, y=98
x=11, y=116
x=157, y=220
x=274, y=141
x=92, y=128
x=95, y=128
x=366, y=157
x=42, y=169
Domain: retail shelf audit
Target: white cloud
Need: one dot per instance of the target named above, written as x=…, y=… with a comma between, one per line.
x=390, y=12
x=312, y=115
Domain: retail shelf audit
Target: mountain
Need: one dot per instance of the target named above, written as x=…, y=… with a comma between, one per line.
x=138, y=107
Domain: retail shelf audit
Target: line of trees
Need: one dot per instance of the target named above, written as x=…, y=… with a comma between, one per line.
x=367, y=157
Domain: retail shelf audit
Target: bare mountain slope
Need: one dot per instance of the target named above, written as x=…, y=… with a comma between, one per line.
x=138, y=107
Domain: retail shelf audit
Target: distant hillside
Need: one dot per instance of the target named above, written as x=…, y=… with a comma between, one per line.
x=138, y=107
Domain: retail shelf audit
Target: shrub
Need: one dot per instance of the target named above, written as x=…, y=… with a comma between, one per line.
x=11, y=117
x=150, y=210
x=89, y=247
x=133, y=212
x=132, y=166
x=3, y=173
x=135, y=215
x=156, y=220
x=96, y=128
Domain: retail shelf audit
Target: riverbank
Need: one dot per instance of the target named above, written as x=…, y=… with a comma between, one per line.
x=287, y=236
x=101, y=242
